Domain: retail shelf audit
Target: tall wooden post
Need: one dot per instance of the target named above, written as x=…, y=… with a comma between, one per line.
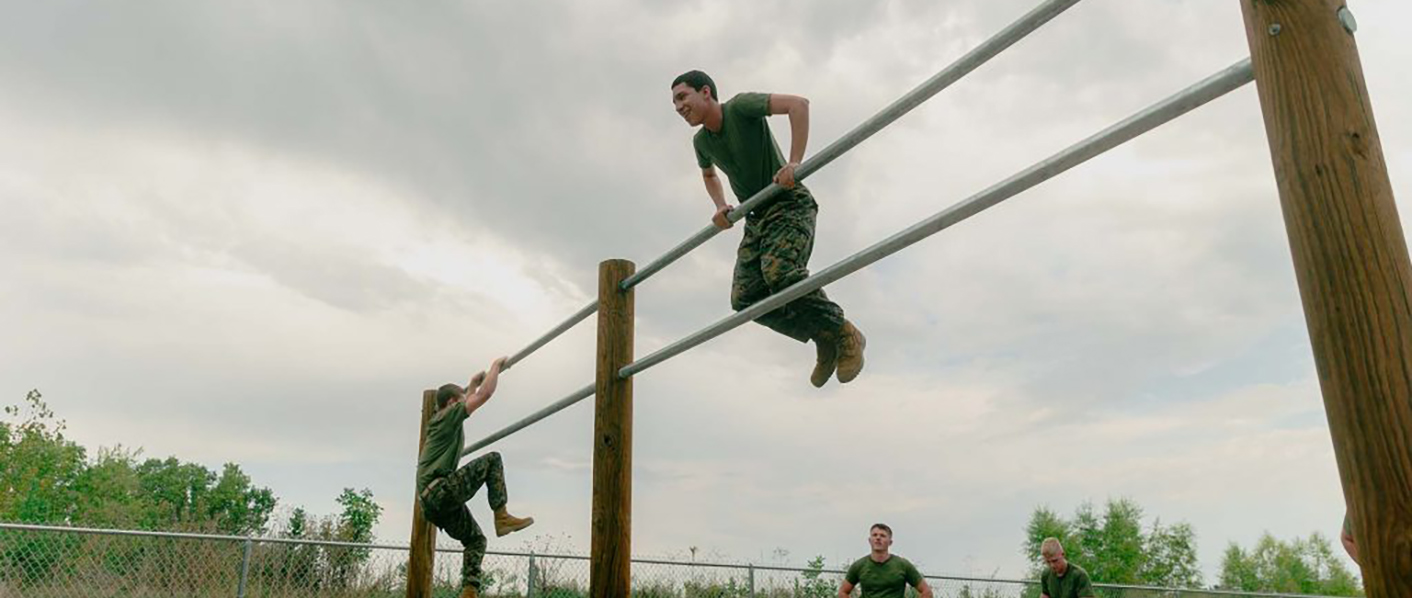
x=1350, y=258
x=423, y=548
x=611, y=544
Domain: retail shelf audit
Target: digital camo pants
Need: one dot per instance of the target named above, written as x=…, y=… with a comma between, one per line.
x=444, y=504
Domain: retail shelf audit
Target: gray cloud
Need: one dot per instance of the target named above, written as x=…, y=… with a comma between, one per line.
x=256, y=235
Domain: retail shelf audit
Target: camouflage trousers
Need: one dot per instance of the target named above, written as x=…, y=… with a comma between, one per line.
x=774, y=254
x=444, y=504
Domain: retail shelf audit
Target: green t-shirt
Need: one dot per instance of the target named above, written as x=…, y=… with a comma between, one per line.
x=442, y=451
x=888, y=579
x=744, y=148
x=1074, y=583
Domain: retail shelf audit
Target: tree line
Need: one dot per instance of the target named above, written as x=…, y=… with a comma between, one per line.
x=48, y=479
x=1115, y=548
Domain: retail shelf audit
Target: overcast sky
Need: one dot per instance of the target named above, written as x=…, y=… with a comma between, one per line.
x=255, y=232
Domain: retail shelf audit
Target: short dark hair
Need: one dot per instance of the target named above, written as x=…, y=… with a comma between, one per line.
x=696, y=80
x=883, y=527
x=448, y=393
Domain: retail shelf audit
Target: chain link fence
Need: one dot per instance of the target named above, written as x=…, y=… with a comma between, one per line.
x=60, y=562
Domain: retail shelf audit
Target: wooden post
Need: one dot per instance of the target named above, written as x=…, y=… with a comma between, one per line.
x=611, y=544
x=423, y=548
x=1350, y=258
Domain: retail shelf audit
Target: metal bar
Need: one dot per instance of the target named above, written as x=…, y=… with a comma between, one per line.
x=979, y=55
x=563, y=327
x=556, y=407
x=244, y=569
x=1188, y=99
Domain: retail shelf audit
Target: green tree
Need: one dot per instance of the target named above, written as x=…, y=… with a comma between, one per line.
x=1170, y=557
x=1303, y=566
x=360, y=514
x=355, y=524
x=39, y=467
x=235, y=506
x=111, y=493
x=815, y=586
x=1113, y=547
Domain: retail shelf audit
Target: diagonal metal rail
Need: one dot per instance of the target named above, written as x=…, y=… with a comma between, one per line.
x=563, y=327
x=1185, y=101
x=557, y=406
x=979, y=55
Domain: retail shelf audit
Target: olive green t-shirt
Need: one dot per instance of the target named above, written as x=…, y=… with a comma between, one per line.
x=1074, y=583
x=888, y=579
x=442, y=450
x=744, y=148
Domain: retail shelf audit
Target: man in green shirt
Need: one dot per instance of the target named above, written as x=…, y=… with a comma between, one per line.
x=881, y=573
x=443, y=489
x=1061, y=579
x=779, y=234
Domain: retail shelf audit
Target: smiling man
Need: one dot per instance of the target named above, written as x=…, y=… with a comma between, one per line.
x=779, y=234
x=883, y=574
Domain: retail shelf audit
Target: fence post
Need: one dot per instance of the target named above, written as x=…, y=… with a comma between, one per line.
x=610, y=567
x=244, y=568
x=1350, y=262
x=752, y=580
x=529, y=581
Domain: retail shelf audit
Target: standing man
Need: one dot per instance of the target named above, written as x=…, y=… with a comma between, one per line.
x=1061, y=579
x=443, y=489
x=779, y=235
x=881, y=573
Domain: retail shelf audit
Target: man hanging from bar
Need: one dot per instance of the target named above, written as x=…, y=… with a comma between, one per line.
x=444, y=489
x=779, y=234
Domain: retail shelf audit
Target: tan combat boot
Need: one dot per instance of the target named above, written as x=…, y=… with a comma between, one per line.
x=506, y=523
x=826, y=348
x=850, y=352
x=469, y=592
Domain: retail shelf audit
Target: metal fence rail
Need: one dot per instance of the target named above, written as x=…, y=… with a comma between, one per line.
x=62, y=562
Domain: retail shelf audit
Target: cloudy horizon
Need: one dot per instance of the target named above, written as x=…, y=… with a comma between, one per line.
x=254, y=234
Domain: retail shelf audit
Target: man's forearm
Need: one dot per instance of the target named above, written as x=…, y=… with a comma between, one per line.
x=716, y=191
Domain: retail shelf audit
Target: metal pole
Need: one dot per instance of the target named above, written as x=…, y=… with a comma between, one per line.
x=1146, y=120
x=556, y=407
x=529, y=581
x=952, y=73
x=244, y=568
x=752, y=580
x=973, y=59
x=563, y=327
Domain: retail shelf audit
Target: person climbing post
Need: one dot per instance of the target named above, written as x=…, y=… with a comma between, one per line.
x=443, y=489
